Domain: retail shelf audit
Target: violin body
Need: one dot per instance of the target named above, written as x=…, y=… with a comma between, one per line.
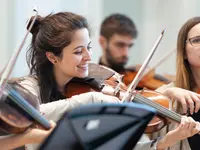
x=18, y=110
x=158, y=122
x=12, y=118
x=150, y=81
x=78, y=86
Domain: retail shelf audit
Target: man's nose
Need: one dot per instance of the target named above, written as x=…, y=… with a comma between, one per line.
x=125, y=51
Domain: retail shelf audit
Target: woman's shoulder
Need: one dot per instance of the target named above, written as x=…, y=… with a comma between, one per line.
x=26, y=80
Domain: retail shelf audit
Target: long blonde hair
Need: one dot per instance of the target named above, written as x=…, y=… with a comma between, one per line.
x=184, y=76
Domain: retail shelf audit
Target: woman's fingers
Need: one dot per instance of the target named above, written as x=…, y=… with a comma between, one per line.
x=193, y=126
x=190, y=103
x=52, y=123
x=196, y=99
x=184, y=105
x=185, y=123
x=191, y=123
x=188, y=99
x=188, y=127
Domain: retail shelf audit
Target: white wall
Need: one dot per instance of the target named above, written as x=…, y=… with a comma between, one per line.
x=14, y=15
x=171, y=15
x=150, y=16
x=4, y=38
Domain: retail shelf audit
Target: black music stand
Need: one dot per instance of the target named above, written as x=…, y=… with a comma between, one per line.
x=100, y=127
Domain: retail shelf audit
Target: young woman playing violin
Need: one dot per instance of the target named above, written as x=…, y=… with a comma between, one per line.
x=60, y=51
x=188, y=78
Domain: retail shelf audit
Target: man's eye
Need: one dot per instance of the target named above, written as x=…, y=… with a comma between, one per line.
x=121, y=45
x=131, y=45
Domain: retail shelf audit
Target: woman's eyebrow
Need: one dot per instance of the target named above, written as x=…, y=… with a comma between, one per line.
x=81, y=46
x=78, y=47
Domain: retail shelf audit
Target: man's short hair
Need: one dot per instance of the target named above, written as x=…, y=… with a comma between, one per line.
x=118, y=24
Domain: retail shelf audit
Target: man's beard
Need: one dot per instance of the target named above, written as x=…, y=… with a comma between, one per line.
x=118, y=67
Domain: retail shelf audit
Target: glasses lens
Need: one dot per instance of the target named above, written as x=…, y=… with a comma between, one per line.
x=195, y=41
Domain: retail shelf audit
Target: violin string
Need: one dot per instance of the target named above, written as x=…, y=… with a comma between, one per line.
x=159, y=108
x=164, y=110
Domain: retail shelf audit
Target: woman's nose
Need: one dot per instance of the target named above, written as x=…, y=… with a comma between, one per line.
x=88, y=55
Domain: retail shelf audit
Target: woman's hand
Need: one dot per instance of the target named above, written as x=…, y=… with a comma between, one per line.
x=188, y=99
x=31, y=136
x=187, y=128
x=37, y=135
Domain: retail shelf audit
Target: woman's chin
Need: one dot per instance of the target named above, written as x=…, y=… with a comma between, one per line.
x=83, y=75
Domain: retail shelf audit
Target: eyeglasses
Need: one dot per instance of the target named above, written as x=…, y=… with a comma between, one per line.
x=195, y=41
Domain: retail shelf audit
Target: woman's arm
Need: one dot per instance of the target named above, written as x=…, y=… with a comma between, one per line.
x=54, y=110
x=33, y=135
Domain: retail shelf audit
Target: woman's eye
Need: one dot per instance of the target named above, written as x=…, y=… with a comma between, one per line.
x=78, y=52
x=196, y=40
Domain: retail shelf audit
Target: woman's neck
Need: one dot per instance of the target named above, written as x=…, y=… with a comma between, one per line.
x=196, y=74
x=61, y=80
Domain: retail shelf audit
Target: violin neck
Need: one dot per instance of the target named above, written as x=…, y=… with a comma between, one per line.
x=160, y=109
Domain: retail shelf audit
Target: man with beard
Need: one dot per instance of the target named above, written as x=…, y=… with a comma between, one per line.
x=117, y=35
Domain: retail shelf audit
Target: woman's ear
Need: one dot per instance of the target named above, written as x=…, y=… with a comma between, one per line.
x=51, y=57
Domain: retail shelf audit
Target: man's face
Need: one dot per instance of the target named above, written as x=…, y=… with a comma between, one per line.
x=117, y=49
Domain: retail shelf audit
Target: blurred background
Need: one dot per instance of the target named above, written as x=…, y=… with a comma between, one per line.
x=150, y=17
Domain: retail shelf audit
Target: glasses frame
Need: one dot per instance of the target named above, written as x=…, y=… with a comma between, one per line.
x=189, y=40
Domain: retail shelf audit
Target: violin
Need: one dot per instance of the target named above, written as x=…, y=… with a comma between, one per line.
x=19, y=110
x=107, y=85
x=150, y=80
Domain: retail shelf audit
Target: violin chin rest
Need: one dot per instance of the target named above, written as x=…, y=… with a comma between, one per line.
x=99, y=72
